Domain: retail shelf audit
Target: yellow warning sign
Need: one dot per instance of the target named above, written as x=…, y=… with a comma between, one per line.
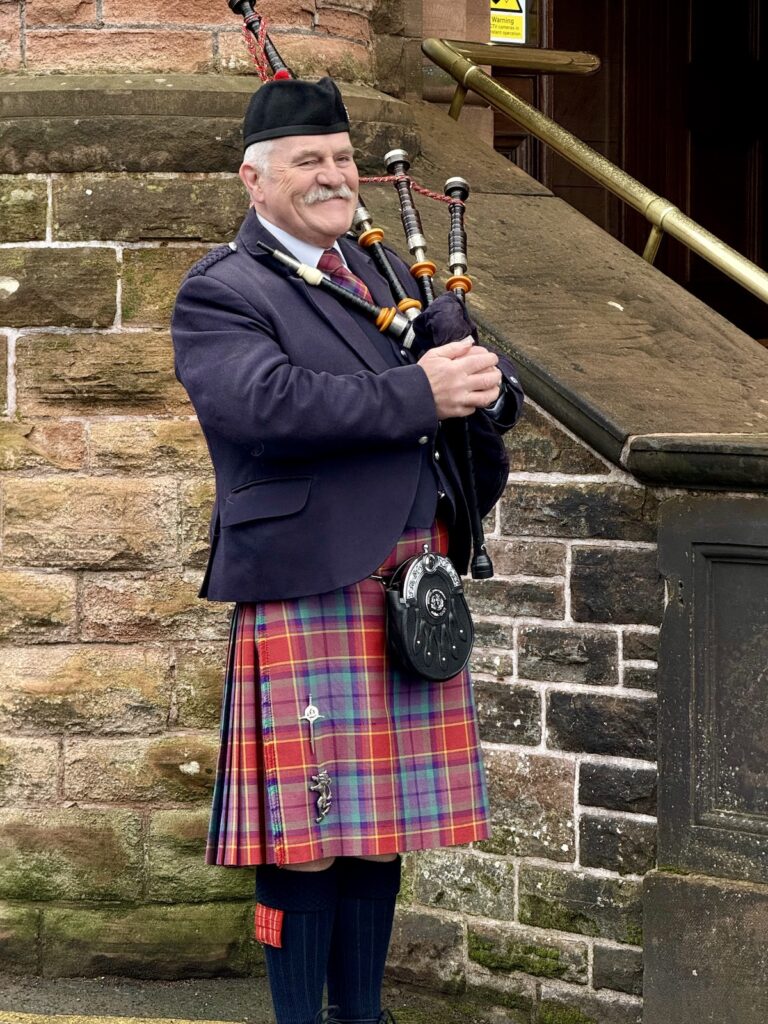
x=507, y=28
x=508, y=5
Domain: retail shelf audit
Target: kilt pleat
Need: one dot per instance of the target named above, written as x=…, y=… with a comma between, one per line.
x=400, y=755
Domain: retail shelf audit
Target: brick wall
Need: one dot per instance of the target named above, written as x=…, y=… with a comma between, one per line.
x=135, y=36
x=110, y=679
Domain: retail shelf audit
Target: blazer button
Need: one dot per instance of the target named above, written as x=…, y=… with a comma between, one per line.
x=424, y=439
x=437, y=456
x=258, y=450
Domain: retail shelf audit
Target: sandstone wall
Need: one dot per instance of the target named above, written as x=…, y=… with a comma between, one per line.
x=82, y=36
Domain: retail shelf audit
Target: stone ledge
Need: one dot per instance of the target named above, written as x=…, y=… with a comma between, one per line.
x=70, y=123
x=700, y=460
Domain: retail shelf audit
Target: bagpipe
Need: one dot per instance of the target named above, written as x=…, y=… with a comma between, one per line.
x=396, y=321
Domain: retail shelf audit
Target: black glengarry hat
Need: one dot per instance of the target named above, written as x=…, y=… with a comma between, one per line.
x=294, y=107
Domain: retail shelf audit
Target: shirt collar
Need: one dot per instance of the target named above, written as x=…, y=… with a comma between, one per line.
x=304, y=252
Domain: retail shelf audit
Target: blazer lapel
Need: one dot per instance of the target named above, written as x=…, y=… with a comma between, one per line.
x=328, y=306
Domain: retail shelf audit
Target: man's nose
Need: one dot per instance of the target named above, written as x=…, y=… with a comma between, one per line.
x=331, y=175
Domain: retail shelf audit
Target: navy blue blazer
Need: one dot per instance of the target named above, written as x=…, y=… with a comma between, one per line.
x=316, y=438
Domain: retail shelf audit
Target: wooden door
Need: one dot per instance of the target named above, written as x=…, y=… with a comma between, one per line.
x=695, y=131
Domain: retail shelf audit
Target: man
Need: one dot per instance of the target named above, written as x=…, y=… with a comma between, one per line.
x=334, y=458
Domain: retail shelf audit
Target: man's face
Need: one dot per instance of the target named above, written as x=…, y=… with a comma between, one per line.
x=310, y=189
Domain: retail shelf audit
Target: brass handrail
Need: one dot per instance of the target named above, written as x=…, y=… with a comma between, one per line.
x=661, y=214
x=527, y=58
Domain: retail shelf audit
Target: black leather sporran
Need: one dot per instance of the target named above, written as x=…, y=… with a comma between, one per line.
x=429, y=626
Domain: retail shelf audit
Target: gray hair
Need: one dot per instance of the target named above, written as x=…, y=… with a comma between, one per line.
x=258, y=155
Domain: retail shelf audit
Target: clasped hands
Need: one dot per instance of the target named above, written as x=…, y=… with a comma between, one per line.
x=463, y=377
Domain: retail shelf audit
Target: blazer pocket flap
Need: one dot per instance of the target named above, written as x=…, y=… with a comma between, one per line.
x=265, y=499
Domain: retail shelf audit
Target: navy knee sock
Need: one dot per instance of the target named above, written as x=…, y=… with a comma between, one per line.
x=297, y=969
x=361, y=933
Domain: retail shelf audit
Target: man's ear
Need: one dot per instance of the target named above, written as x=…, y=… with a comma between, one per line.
x=250, y=178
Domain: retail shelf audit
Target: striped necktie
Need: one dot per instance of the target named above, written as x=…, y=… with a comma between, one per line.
x=332, y=265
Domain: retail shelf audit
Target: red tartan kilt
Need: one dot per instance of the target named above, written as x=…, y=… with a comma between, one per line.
x=402, y=754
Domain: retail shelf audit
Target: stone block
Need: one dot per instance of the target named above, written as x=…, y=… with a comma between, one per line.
x=66, y=12
x=29, y=769
x=85, y=51
x=58, y=287
x=493, y=999
x=174, y=768
x=391, y=58
x=500, y=665
x=19, y=928
x=149, y=446
x=531, y=804
x=37, y=606
x=105, y=374
x=488, y=999
x=706, y=951
x=618, y=969
x=134, y=12
x=597, y=724
x=90, y=523
x=527, y=557
x=508, y=714
x=618, y=788
x=617, y=844
x=151, y=279
x=616, y=585
x=200, y=681
x=191, y=207
x=466, y=882
x=23, y=209
x=576, y=901
x=505, y=949
x=640, y=677
x=541, y=599
x=184, y=941
x=10, y=37
x=539, y=445
x=310, y=56
x=562, y=1006
x=390, y=17
x=103, y=139
x=641, y=646
x=494, y=634
x=145, y=608
x=291, y=15
x=70, y=854
x=427, y=950
x=84, y=688
x=177, y=871
x=41, y=445
x=339, y=23
x=197, y=497
x=608, y=511
x=568, y=656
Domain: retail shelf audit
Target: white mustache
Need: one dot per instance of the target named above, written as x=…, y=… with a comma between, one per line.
x=320, y=193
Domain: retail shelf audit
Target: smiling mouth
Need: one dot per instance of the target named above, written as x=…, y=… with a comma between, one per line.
x=332, y=199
